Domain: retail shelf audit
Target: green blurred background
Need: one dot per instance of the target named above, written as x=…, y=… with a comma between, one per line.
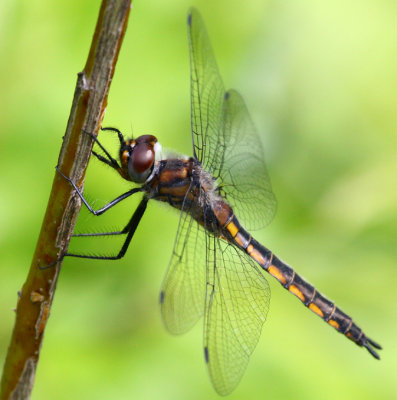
x=320, y=81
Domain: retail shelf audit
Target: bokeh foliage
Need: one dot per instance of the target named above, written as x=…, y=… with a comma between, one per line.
x=319, y=79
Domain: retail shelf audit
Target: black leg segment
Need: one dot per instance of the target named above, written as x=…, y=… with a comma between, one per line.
x=129, y=230
x=114, y=233
x=110, y=160
x=119, y=134
x=107, y=206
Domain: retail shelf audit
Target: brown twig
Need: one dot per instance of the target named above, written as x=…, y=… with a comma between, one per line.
x=89, y=103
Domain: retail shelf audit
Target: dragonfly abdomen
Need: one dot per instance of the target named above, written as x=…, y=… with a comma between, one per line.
x=294, y=283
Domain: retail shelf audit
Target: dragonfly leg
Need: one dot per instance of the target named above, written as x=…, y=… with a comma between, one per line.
x=119, y=134
x=109, y=160
x=107, y=206
x=129, y=229
x=113, y=163
x=114, y=233
x=53, y=264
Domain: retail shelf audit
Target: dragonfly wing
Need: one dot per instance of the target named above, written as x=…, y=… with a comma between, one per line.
x=182, y=295
x=242, y=173
x=206, y=91
x=224, y=137
x=237, y=303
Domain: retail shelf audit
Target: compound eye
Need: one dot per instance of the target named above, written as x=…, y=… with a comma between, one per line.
x=142, y=158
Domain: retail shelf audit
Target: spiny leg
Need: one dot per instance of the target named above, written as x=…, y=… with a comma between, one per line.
x=114, y=233
x=107, y=206
x=109, y=160
x=119, y=134
x=106, y=161
x=127, y=228
x=131, y=226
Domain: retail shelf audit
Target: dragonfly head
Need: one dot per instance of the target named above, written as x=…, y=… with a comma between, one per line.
x=137, y=157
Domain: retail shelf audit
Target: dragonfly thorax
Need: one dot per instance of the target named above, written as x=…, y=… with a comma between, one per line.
x=208, y=185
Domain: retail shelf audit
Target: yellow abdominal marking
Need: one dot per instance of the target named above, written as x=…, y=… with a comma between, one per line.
x=333, y=323
x=232, y=228
x=277, y=274
x=293, y=289
x=256, y=255
x=316, y=309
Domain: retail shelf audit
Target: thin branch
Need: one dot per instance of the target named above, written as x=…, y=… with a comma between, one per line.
x=88, y=108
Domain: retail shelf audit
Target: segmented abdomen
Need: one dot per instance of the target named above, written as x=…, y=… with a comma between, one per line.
x=295, y=284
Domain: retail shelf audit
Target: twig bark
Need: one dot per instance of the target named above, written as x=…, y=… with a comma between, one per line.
x=88, y=108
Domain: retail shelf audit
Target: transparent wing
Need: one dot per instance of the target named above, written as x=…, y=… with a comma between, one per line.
x=224, y=137
x=182, y=295
x=237, y=303
x=206, y=91
x=242, y=173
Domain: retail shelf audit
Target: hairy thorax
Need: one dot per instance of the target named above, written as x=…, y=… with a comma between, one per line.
x=184, y=184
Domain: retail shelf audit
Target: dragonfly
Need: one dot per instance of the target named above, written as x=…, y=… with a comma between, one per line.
x=222, y=192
